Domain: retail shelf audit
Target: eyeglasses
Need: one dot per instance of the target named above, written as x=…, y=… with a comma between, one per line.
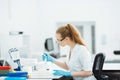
x=60, y=39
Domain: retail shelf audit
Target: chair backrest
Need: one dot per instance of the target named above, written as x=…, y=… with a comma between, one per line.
x=98, y=64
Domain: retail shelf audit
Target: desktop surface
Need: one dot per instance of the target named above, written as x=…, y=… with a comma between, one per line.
x=111, y=66
x=43, y=74
x=44, y=71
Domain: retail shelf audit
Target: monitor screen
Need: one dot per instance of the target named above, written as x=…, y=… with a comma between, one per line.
x=49, y=46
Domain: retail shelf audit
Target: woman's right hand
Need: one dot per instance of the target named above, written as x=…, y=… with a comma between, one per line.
x=47, y=57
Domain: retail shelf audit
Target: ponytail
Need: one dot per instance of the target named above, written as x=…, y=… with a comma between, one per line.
x=75, y=35
x=71, y=31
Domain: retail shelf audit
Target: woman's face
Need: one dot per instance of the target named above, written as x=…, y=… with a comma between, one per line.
x=61, y=41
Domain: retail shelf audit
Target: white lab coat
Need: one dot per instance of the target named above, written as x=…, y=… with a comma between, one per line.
x=80, y=60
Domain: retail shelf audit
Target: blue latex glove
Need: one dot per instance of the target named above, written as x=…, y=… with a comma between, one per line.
x=61, y=73
x=47, y=57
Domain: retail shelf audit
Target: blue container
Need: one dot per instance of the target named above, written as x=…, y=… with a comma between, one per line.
x=15, y=78
x=18, y=74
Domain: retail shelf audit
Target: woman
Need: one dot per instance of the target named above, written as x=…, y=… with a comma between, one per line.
x=79, y=61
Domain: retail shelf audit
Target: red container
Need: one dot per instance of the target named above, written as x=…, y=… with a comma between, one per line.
x=5, y=67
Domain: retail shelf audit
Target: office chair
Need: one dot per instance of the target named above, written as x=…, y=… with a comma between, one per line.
x=97, y=67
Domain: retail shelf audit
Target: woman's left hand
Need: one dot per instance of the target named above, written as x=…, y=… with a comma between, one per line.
x=61, y=73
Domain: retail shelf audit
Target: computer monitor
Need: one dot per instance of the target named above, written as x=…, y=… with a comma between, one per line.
x=49, y=46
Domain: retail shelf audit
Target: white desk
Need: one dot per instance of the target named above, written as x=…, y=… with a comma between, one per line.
x=43, y=75
x=111, y=66
x=42, y=72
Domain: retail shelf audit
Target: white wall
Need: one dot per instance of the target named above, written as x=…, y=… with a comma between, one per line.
x=4, y=17
x=38, y=19
x=104, y=12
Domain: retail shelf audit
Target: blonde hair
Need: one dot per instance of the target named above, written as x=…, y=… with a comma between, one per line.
x=70, y=30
